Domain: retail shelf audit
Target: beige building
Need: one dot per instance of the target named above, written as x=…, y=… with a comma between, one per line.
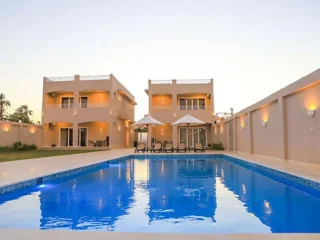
x=87, y=110
x=171, y=100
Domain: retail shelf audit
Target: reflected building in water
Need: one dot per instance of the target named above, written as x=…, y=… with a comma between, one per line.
x=181, y=189
x=92, y=201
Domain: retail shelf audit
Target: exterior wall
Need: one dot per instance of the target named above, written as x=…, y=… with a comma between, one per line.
x=109, y=102
x=290, y=132
x=11, y=132
x=266, y=139
x=303, y=132
x=242, y=134
x=163, y=133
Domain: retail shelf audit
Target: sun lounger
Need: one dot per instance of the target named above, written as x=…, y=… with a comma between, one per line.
x=140, y=147
x=157, y=147
x=181, y=147
x=198, y=147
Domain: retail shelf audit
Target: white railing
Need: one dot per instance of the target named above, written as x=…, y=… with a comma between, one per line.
x=97, y=77
x=182, y=81
x=82, y=78
x=195, y=81
x=161, y=81
x=60, y=79
x=83, y=105
x=168, y=107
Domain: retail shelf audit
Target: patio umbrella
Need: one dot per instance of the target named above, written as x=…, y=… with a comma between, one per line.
x=146, y=122
x=188, y=120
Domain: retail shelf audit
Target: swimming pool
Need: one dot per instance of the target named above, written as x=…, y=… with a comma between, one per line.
x=161, y=193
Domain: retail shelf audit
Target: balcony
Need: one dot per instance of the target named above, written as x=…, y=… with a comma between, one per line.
x=67, y=113
x=169, y=113
x=126, y=113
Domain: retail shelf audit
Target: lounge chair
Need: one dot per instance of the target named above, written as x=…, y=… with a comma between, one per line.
x=168, y=147
x=157, y=147
x=198, y=147
x=181, y=147
x=140, y=147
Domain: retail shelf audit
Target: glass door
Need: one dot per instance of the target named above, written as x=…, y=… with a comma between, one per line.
x=82, y=137
x=66, y=137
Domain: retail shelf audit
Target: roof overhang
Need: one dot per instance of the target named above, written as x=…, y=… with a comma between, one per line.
x=126, y=96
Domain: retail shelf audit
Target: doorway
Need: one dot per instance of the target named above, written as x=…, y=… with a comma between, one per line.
x=66, y=137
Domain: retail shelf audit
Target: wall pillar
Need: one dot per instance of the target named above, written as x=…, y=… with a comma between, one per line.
x=75, y=134
x=250, y=129
x=175, y=135
x=234, y=135
x=283, y=127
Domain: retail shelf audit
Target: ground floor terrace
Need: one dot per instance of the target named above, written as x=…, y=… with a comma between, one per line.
x=13, y=172
x=182, y=134
x=88, y=134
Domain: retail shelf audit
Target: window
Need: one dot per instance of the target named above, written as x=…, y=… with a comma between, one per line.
x=182, y=103
x=202, y=103
x=83, y=102
x=192, y=103
x=67, y=102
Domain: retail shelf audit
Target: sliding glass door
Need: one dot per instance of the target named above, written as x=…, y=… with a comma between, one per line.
x=66, y=137
x=196, y=134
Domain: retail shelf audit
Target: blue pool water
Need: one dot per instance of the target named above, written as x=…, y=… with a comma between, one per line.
x=203, y=195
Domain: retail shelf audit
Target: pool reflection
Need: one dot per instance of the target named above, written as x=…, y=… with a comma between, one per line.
x=194, y=195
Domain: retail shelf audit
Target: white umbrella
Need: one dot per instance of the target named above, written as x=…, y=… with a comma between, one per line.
x=188, y=120
x=146, y=122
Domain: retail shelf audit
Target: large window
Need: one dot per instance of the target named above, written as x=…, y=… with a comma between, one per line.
x=196, y=134
x=192, y=103
x=67, y=102
x=83, y=102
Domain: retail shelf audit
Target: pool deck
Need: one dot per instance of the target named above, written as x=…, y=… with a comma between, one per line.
x=22, y=170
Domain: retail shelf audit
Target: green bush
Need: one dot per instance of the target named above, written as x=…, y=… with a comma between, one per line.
x=18, y=146
x=217, y=146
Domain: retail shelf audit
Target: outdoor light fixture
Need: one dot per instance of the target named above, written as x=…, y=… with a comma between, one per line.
x=311, y=113
x=174, y=115
x=264, y=123
x=6, y=129
x=32, y=130
x=110, y=112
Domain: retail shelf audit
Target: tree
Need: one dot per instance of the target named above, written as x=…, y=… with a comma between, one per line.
x=21, y=114
x=4, y=104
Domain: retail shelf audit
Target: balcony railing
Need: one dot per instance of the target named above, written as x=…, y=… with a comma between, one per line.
x=194, y=108
x=183, y=108
x=82, y=78
x=182, y=81
x=83, y=105
x=166, y=107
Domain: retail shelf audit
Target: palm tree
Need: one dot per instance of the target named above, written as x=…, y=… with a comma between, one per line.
x=4, y=104
x=21, y=114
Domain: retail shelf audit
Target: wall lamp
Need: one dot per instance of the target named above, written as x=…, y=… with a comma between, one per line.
x=312, y=113
x=264, y=123
x=6, y=130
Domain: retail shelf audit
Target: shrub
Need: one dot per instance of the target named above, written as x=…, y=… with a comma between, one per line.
x=217, y=146
x=18, y=146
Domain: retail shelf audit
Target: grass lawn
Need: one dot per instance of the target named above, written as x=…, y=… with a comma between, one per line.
x=18, y=155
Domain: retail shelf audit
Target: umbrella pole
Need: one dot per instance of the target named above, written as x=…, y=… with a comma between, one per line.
x=148, y=138
x=188, y=137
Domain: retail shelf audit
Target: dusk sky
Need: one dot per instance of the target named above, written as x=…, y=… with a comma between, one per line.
x=249, y=48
